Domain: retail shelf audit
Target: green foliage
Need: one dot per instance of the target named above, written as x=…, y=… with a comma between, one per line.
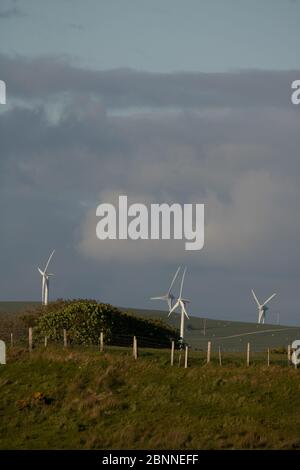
x=281, y=350
x=79, y=398
x=85, y=319
x=33, y=313
x=268, y=336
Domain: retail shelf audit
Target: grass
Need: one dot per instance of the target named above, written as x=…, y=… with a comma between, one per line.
x=230, y=335
x=82, y=399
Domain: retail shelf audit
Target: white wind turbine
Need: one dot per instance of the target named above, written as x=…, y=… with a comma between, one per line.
x=45, y=280
x=262, y=308
x=168, y=297
x=181, y=302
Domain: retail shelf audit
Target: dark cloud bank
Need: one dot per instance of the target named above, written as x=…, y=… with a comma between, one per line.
x=71, y=138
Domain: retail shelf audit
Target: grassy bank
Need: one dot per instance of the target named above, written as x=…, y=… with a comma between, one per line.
x=80, y=399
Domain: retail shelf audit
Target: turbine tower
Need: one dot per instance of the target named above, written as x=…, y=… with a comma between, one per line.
x=262, y=308
x=181, y=302
x=168, y=297
x=45, y=281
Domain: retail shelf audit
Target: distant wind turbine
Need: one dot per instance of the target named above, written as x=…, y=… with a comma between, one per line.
x=181, y=302
x=262, y=308
x=168, y=297
x=45, y=280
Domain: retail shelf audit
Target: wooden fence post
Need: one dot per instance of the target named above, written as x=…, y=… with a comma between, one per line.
x=65, y=338
x=46, y=341
x=135, y=349
x=172, y=353
x=11, y=340
x=293, y=359
x=2, y=352
x=101, y=342
x=208, y=352
x=186, y=357
x=30, y=338
x=179, y=357
x=268, y=357
x=248, y=354
x=220, y=356
x=289, y=354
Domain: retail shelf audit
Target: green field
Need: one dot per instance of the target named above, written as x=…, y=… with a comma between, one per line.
x=80, y=398
x=16, y=307
x=83, y=399
x=232, y=336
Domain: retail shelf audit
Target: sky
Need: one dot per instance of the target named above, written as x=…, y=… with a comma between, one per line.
x=164, y=101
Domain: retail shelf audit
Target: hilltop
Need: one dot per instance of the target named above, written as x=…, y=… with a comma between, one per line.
x=230, y=335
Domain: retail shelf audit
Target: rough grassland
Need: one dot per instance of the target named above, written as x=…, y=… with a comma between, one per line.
x=80, y=399
x=230, y=335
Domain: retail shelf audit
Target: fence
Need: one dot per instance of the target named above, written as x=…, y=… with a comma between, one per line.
x=167, y=351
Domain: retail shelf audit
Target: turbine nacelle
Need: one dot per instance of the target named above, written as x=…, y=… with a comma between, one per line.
x=262, y=307
x=45, y=280
x=181, y=302
x=168, y=297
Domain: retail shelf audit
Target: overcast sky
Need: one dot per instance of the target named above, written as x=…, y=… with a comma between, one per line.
x=165, y=101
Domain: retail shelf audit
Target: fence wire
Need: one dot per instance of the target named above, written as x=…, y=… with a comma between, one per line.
x=220, y=354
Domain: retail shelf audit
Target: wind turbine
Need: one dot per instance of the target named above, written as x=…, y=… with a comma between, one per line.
x=168, y=297
x=181, y=302
x=45, y=280
x=262, y=308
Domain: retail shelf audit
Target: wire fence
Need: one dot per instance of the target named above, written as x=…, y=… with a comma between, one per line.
x=212, y=353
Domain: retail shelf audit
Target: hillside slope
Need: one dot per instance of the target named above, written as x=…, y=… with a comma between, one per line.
x=82, y=399
x=230, y=335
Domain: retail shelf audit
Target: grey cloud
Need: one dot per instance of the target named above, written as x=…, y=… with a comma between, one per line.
x=76, y=26
x=41, y=78
x=232, y=162
x=10, y=11
x=241, y=160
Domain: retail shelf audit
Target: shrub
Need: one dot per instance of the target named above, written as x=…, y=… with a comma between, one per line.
x=85, y=319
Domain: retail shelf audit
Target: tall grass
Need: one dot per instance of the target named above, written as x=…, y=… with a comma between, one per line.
x=82, y=399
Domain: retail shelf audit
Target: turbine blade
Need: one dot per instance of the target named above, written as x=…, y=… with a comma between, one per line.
x=49, y=259
x=182, y=280
x=41, y=272
x=158, y=298
x=173, y=280
x=255, y=298
x=184, y=310
x=268, y=300
x=173, y=308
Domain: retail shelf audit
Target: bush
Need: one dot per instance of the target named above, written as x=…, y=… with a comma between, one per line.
x=85, y=319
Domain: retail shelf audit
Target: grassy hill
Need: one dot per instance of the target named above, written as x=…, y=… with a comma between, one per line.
x=82, y=399
x=230, y=335
x=15, y=307
x=79, y=398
